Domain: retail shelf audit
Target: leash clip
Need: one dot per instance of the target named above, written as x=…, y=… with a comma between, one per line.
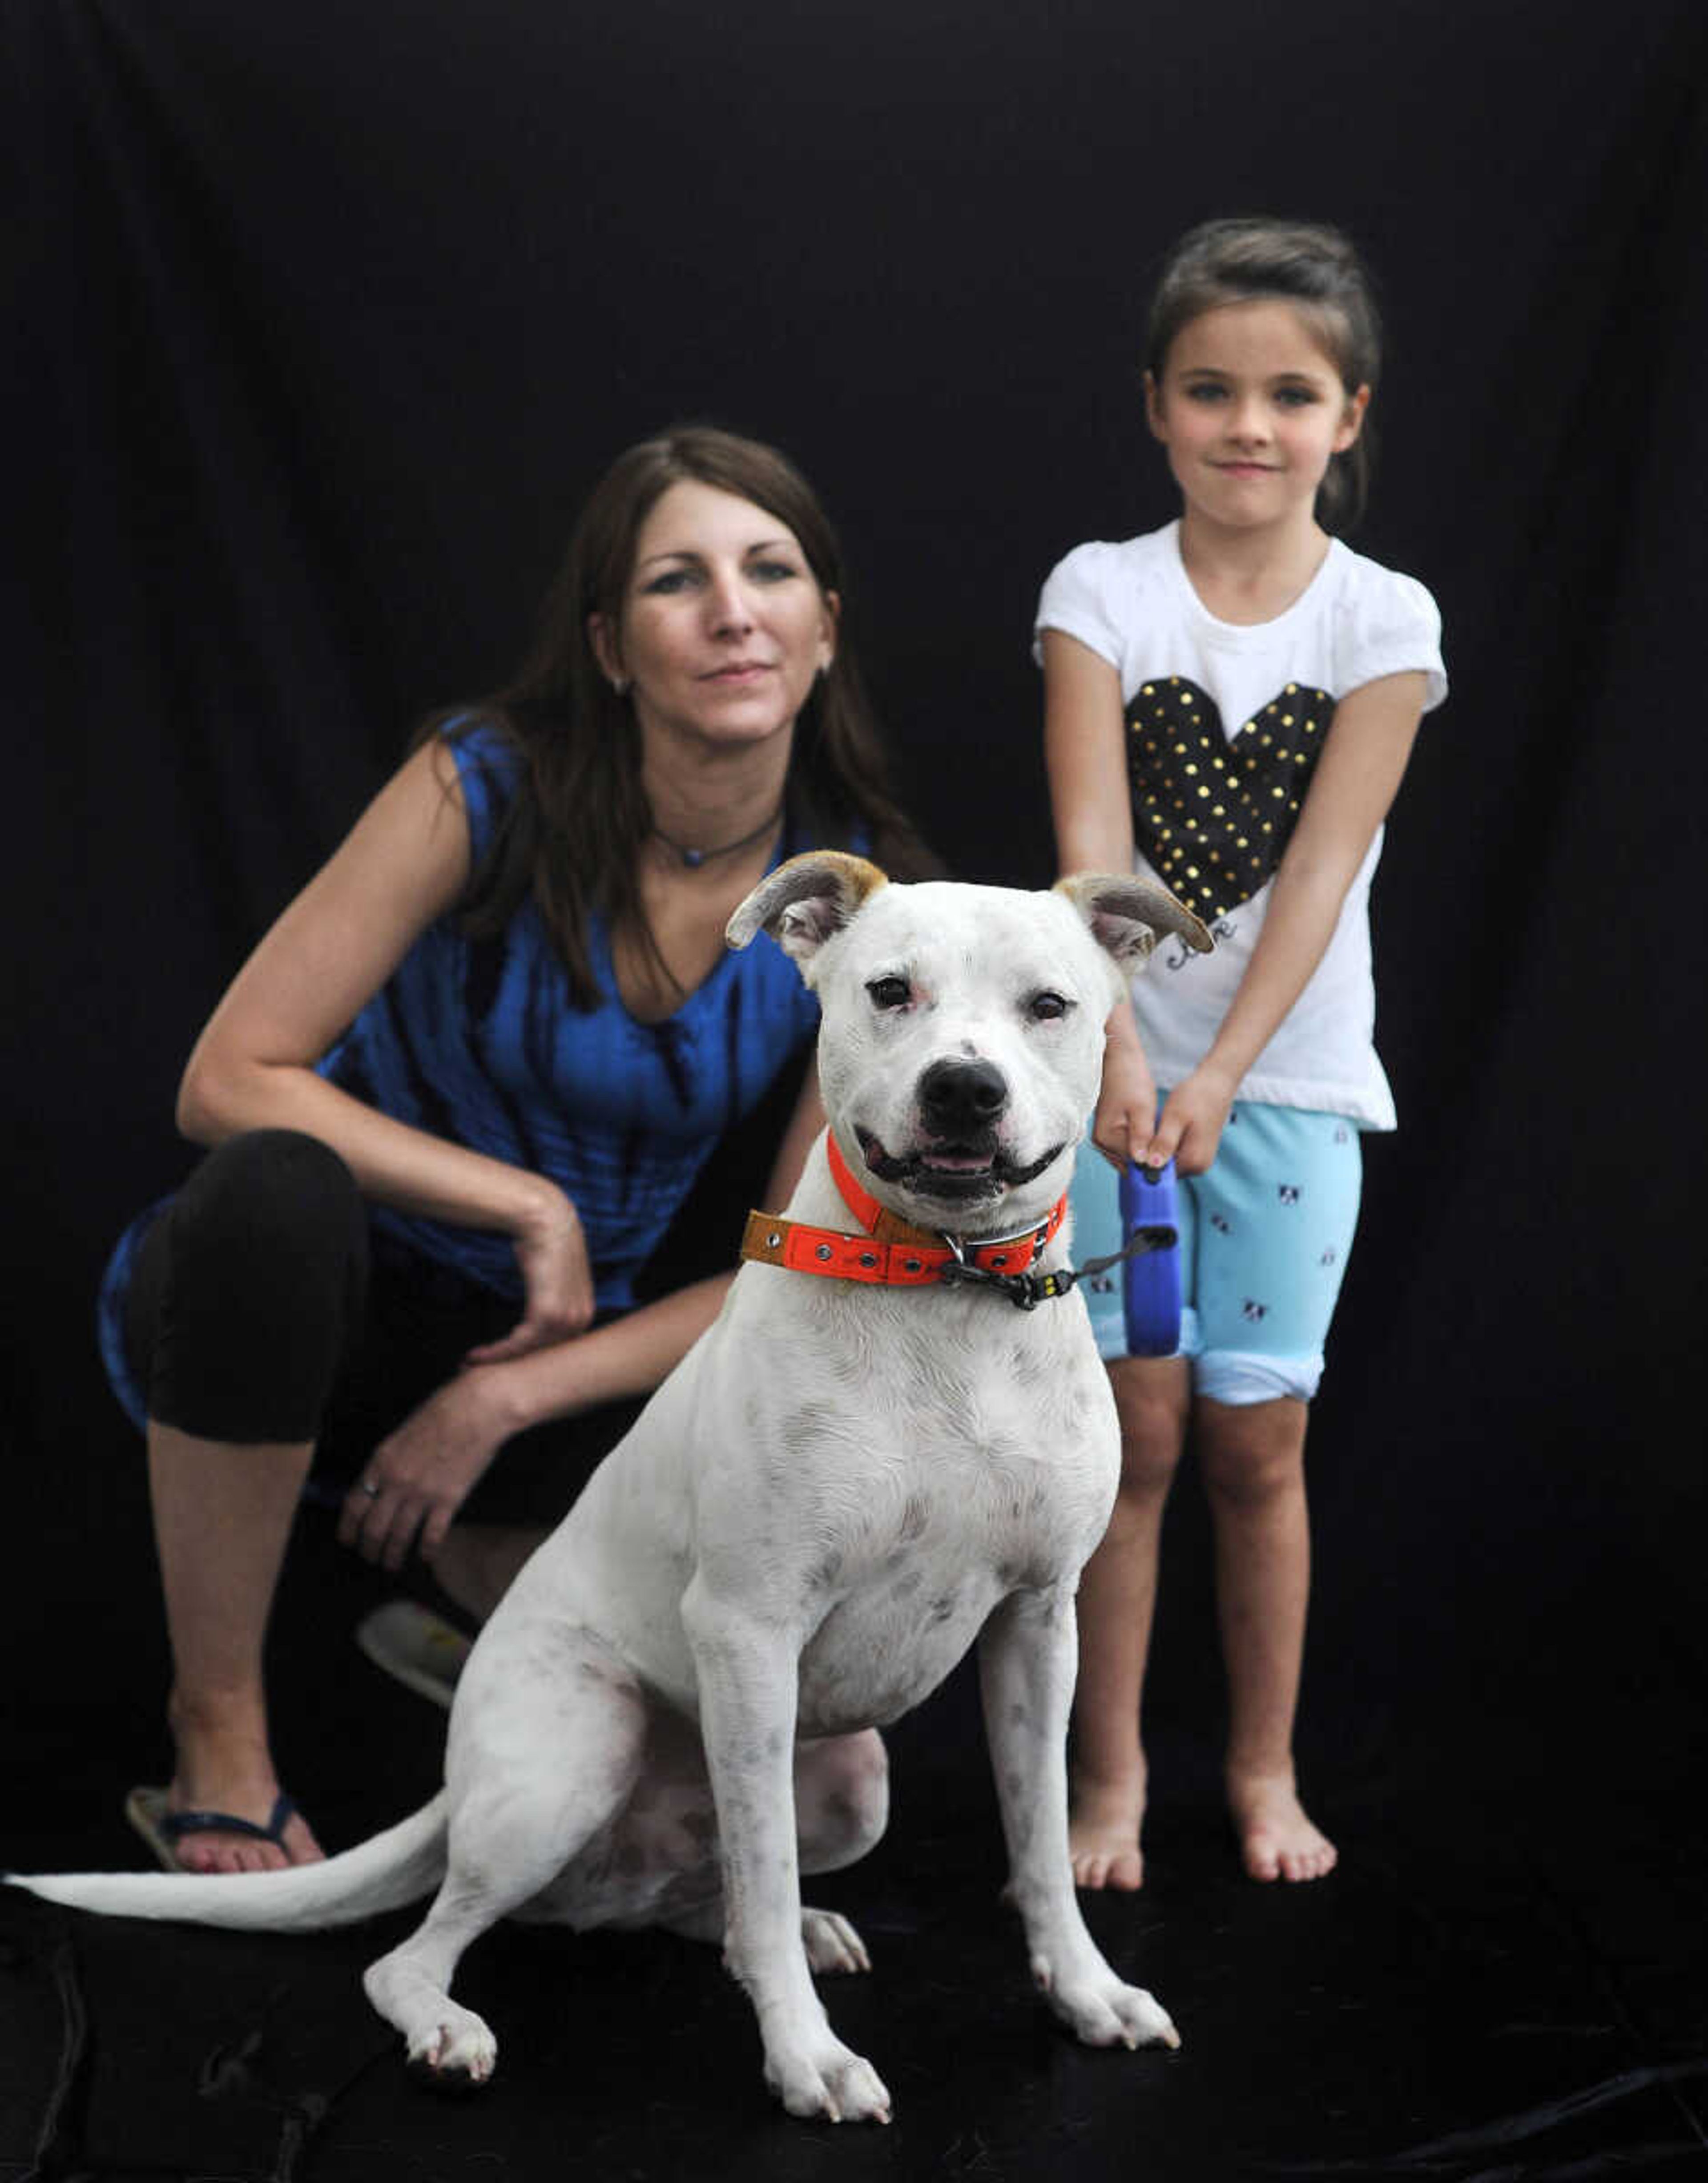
x=1023, y=1291
x=960, y=1268
x=1027, y=1291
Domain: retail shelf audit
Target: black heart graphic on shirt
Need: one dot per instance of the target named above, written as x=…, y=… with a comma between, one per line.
x=1212, y=813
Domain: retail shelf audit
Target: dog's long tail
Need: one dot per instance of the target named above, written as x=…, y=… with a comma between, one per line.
x=387, y=1871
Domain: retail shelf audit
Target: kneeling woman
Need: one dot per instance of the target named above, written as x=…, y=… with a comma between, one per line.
x=463, y=1086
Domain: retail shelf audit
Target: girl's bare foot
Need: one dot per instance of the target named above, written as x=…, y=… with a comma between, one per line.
x=1103, y=1824
x=1278, y=1839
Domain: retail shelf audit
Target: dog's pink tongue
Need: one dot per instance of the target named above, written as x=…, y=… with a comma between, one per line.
x=959, y=1163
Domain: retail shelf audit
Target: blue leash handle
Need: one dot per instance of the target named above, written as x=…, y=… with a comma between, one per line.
x=1150, y=1282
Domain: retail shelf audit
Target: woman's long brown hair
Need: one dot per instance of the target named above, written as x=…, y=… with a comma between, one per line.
x=573, y=836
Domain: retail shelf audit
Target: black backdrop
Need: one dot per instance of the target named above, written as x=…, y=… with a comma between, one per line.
x=327, y=316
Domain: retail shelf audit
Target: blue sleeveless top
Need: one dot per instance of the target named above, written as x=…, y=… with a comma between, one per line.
x=478, y=1042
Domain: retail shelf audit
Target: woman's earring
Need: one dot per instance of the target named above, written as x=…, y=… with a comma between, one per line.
x=619, y=683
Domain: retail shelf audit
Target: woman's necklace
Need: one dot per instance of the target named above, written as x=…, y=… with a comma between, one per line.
x=693, y=859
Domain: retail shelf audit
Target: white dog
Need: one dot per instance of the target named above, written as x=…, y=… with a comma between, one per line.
x=674, y=1711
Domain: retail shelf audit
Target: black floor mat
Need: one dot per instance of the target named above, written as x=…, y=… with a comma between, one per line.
x=1504, y=1980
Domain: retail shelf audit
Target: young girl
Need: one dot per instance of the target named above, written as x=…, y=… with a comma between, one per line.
x=1230, y=702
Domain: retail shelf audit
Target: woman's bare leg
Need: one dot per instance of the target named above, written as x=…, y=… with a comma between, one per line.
x=476, y=1563
x=222, y=1516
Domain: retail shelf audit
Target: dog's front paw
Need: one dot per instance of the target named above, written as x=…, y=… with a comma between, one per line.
x=457, y=2053
x=827, y=2079
x=1102, y=2011
x=832, y=1943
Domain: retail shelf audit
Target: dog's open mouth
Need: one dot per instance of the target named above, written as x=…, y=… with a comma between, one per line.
x=961, y=1171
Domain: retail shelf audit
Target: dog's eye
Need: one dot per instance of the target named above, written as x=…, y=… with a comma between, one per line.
x=890, y=992
x=1045, y=1008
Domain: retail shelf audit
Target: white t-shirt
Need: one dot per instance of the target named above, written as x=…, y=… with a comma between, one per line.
x=1223, y=723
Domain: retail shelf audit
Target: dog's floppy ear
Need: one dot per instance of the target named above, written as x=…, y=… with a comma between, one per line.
x=1128, y=916
x=804, y=901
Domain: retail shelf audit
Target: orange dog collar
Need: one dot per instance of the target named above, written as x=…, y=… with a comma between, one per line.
x=889, y=1252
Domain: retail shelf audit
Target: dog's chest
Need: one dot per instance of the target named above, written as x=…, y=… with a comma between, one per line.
x=896, y=1621
x=949, y=1492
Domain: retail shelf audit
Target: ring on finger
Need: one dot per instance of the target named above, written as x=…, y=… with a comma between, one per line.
x=367, y=1486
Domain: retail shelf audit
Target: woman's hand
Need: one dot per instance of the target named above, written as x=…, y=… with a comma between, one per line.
x=556, y=1282
x=1192, y=1122
x=419, y=1476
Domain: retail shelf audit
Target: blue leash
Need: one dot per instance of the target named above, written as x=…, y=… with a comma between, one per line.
x=1150, y=1280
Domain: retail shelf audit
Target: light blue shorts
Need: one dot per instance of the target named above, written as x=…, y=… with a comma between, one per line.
x=1264, y=1240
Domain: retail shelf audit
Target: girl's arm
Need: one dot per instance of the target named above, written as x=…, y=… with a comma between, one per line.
x=1358, y=776
x=426, y=1469
x=1084, y=752
x=404, y=863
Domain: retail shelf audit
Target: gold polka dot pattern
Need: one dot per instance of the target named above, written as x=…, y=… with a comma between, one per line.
x=1213, y=812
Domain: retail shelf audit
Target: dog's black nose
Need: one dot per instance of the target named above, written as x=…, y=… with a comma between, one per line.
x=956, y=1098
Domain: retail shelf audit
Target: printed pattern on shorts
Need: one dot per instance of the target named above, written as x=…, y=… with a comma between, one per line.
x=1265, y=1251
x=1264, y=1236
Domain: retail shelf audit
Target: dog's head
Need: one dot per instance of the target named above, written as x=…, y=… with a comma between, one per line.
x=963, y=1035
